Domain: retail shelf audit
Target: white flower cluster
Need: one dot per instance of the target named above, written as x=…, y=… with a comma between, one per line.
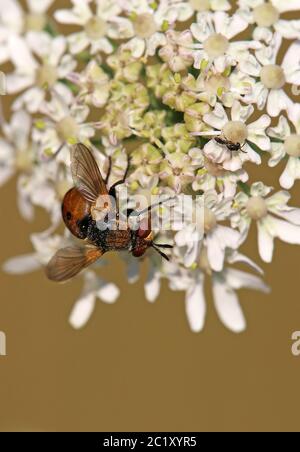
x=193, y=93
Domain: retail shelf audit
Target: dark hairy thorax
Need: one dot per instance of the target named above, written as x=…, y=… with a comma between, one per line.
x=106, y=239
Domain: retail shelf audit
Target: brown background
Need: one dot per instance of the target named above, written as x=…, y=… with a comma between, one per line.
x=136, y=366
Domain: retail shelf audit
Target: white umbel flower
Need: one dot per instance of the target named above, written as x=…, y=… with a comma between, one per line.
x=274, y=218
x=266, y=17
x=35, y=76
x=235, y=130
x=148, y=22
x=215, y=33
x=207, y=231
x=96, y=28
x=286, y=143
x=224, y=286
x=15, y=22
x=94, y=287
x=273, y=78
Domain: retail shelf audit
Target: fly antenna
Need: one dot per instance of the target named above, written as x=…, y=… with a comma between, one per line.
x=149, y=208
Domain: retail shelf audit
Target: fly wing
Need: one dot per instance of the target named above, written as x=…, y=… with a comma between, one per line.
x=86, y=174
x=68, y=262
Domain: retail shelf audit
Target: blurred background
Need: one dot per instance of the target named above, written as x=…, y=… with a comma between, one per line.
x=136, y=366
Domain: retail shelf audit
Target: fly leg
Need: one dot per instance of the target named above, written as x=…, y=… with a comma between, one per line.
x=109, y=170
x=112, y=190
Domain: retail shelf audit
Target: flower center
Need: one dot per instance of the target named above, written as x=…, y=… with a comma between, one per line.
x=272, y=76
x=46, y=76
x=67, y=128
x=200, y=5
x=292, y=145
x=144, y=25
x=35, y=22
x=216, y=45
x=96, y=28
x=266, y=15
x=215, y=83
x=210, y=220
x=235, y=131
x=256, y=208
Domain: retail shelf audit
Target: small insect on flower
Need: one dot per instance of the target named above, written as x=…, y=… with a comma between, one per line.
x=231, y=146
x=82, y=206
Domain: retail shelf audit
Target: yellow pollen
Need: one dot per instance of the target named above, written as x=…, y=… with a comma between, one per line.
x=272, y=76
x=144, y=25
x=216, y=45
x=67, y=128
x=292, y=145
x=266, y=15
x=46, y=76
x=256, y=208
x=235, y=131
x=96, y=28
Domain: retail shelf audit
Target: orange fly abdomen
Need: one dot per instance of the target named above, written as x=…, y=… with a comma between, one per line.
x=74, y=209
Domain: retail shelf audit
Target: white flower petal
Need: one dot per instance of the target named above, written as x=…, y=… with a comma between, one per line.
x=218, y=118
x=288, y=29
x=290, y=173
x=241, y=113
x=229, y=26
x=25, y=206
x=82, y=310
x=291, y=64
x=282, y=130
x=237, y=257
x=238, y=279
x=278, y=200
x=195, y=306
x=12, y=16
x=291, y=215
x=108, y=292
x=278, y=100
x=21, y=56
x=277, y=154
x=18, y=82
x=78, y=16
x=78, y=42
x=268, y=54
x=283, y=6
x=215, y=252
x=152, y=285
x=136, y=46
x=260, y=189
x=204, y=26
x=250, y=66
x=22, y=264
x=39, y=6
x=265, y=242
x=5, y=174
x=287, y=232
x=227, y=305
